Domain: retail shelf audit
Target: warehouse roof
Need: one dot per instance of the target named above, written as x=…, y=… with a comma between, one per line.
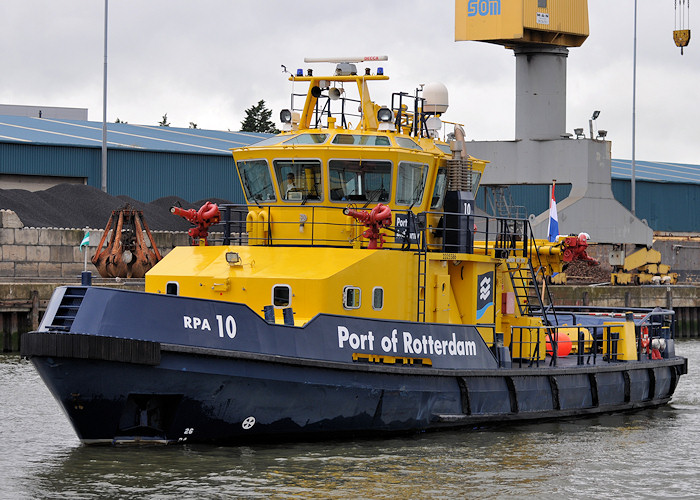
x=122, y=135
x=218, y=142
x=656, y=171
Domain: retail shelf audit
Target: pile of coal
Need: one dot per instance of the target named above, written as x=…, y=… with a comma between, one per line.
x=79, y=206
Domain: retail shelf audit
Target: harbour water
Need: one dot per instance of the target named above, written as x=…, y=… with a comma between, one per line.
x=648, y=454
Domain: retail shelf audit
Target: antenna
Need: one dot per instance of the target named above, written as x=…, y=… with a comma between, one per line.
x=338, y=60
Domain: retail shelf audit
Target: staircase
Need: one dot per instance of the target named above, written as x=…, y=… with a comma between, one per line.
x=533, y=297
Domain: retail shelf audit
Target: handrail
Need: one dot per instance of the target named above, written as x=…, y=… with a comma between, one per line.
x=487, y=235
x=584, y=354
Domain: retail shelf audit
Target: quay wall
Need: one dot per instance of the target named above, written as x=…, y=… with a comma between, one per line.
x=55, y=252
x=34, y=261
x=683, y=299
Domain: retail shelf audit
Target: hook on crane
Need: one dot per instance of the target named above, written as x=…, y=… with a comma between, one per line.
x=681, y=33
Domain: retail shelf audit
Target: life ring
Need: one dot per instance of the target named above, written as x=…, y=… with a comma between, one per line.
x=644, y=337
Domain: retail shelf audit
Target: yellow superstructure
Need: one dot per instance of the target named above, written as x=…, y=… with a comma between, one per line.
x=305, y=250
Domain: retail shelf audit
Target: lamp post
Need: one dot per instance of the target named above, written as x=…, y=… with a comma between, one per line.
x=634, y=110
x=104, y=112
x=595, y=116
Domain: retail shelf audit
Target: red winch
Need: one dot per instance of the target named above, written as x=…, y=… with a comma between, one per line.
x=203, y=218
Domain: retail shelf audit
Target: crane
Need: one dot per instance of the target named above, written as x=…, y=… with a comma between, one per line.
x=681, y=32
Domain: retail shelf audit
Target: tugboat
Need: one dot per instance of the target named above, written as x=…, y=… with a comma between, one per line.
x=357, y=292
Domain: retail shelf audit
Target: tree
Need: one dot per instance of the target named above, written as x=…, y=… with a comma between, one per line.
x=164, y=121
x=257, y=119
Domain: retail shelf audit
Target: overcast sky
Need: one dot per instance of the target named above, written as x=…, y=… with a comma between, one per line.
x=206, y=61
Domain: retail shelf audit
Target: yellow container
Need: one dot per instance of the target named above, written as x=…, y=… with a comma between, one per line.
x=510, y=22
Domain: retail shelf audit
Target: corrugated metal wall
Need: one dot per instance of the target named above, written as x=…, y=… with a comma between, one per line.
x=535, y=198
x=148, y=175
x=568, y=16
x=142, y=175
x=665, y=206
x=30, y=159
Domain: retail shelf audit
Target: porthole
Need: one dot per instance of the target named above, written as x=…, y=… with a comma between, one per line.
x=172, y=288
x=281, y=295
x=377, y=298
x=351, y=297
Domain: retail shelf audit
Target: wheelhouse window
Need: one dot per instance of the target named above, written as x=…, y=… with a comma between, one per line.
x=351, y=297
x=476, y=178
x=445, y=148
x=361, y=140
x=410, y=183
x=302, y=139
x=360, y=180
x=270, y=141
x=407, y=143
x=281, y=295
x=439, y=191
x=377, y=298
x=256, y=180
x=299, y=180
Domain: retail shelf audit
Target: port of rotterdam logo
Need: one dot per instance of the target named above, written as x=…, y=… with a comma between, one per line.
x=484, y=294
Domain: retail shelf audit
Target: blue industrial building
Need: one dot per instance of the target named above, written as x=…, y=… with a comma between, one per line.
x=143, y=162
x=667, y=194
x=149, y=162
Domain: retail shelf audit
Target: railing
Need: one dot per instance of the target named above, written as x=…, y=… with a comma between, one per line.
x=320, y=225
x=659, y=323
x=591, y=348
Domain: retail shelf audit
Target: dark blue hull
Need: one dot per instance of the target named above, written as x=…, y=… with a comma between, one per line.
x=191, y=397
x=115, y=389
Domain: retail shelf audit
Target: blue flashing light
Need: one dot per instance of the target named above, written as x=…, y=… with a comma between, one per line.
x=380, y=70
x=300, y=72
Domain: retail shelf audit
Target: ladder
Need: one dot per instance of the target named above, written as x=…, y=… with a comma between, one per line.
x=502, y=203
x=524, y=272
x=422, y=278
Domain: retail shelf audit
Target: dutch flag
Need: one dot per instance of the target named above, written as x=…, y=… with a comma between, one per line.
x=553, y=227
